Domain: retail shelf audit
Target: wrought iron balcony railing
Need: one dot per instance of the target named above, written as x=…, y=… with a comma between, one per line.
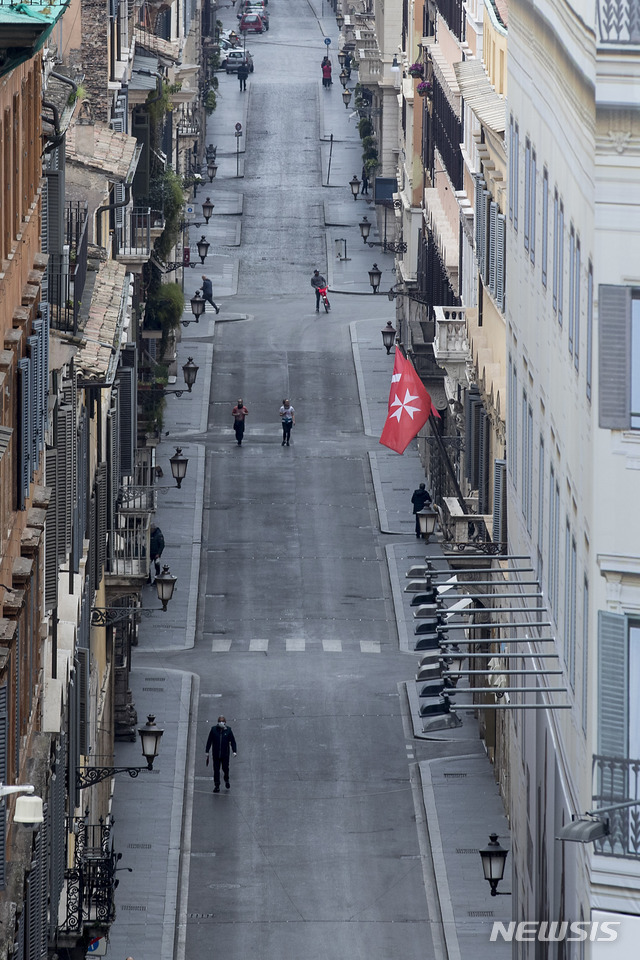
x=135, y=241
x=618, y=22
x=617, y=780
x=90, y=884
x=128, y=542
x=67, y=272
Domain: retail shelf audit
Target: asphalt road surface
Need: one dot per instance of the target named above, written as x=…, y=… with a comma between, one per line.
x=313, y=853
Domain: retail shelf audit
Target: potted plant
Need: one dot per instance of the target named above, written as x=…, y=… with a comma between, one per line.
x=425, y=88
x=416, y=69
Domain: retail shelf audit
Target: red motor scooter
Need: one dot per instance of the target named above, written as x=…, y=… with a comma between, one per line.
x=325, y=299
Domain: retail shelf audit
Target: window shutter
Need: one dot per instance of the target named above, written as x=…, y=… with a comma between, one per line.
x=493, y=231
x=117, y=124
x=483, y=461
x=74, y=755
x=3, y=779
x=476, y=421
x=65, y=464
x=480, y=186
x=613, y=707
x=101, y=532
x=93, y=544
x=16, y=703
x=486, y=217
x=57, y=832
x=113, y=449
x=501, y=245
x=51, y=532
x=499, y=534
x=24, y=423
x=128, y=428
x=83, y=699
x=614, y=354
x=33, y=344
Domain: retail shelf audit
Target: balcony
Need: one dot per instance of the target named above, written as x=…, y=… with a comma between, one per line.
x=466, y=533
x=451, y=347
x=617, y=780
x=134, y=244
x=618, y=22
x=128, y=542
x=67, y=272
x=88, y=904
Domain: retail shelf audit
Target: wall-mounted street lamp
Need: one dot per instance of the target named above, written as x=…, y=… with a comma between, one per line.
x=365, y=229
x=427, y=519
x=415, y=297
x=150, y=736
x=212, y=169
x=189, y=372
x=343, y=77
x=493, y=860
x=346, y=99
x=178, y=467
x=207, y=209
x=593, y=826
x=197, y=308
x=340, y=22
x=29, y=809
x=388, y=336
x=203, y=248
x=165, y=585
x=375, y=275
x=354, y=183
x=342, y=57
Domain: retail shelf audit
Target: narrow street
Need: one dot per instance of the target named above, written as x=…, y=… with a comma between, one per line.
x=314, y=851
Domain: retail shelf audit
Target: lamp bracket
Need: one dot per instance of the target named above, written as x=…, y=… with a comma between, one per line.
x=88, y=776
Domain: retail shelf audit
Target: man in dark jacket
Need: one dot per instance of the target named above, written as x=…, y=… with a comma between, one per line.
x=156, y=546
x=207, y=292
x=420, y=498
x=221, y=741
x=243, y=73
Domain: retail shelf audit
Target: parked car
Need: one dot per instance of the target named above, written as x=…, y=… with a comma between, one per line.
x=260, y=9
x=252, y=23
x=235, y=58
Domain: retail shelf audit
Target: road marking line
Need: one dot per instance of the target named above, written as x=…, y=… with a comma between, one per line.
x=370, y=646
x=332, y=646
x=220, y=645
x=295, y=645
x=258, y=645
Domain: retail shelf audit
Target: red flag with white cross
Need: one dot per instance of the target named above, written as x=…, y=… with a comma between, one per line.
x=409, y=406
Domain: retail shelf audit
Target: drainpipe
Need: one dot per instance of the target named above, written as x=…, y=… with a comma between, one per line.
x=59, y=137
x=110, y=206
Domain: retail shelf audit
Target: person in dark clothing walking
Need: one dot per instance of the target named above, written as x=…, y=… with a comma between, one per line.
x=239, y=413
x=420, y=498
x=156, y=546
x=221, y=742
x=243, y=73
x=207, y=292
x=364, y=189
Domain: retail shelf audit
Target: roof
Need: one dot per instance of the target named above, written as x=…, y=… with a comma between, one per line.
x=143, y=72
x=167, y=49
x=24, y=29
x=475, y=87
x=113, y=154
x=97, y=358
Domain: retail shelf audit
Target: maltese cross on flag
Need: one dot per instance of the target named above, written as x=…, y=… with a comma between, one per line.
x=409, y=406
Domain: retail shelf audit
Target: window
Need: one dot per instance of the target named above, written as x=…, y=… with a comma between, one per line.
x=532, y=209
x=619, y=357
x=511, y=167
x=540, y=507
x=512, y=421
x=527, y=192
x=585, y=654
x=516, y=174
x=556, y=218
x=589, y=327
x=527, y=457
x=554, y=537
x=572, y=284
x=560, y=261
x=576, y=306
x=545, y=224
x=570, y=604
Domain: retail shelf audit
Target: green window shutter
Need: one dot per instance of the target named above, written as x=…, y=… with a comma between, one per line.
x=613, y=707
x=614, y=356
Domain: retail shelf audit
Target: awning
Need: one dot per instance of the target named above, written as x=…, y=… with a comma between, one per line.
x=97, y=358
x=478, y=93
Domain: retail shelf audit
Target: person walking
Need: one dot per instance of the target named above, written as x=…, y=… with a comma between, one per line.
x=319, y=283
x=239, y=413
x=364, y=189
x=243, y=73
x=221, y=742
x=420, y=498
x=326, y=72
x=207, y=293
x=288, y=418
x=156, y=546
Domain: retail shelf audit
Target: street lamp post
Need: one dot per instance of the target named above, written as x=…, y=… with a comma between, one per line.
x=427, y=519
x=365, y=229
x=354, y=183
x=207, y=210
x=165, y=585
x=343, y=77
x=203, y=248
x=346, y=99
x=197, y=308
x=493, y=861
x=212, y=169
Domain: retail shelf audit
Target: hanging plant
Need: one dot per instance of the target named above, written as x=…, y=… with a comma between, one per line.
x=425, y=89
x=416, y=69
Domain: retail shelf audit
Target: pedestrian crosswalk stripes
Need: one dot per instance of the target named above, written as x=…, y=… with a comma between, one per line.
x=293, y=645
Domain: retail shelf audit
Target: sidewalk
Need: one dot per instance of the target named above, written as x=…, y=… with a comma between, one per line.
x=458, y=796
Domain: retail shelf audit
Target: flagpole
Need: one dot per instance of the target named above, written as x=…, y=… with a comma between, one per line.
x=447, y=461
